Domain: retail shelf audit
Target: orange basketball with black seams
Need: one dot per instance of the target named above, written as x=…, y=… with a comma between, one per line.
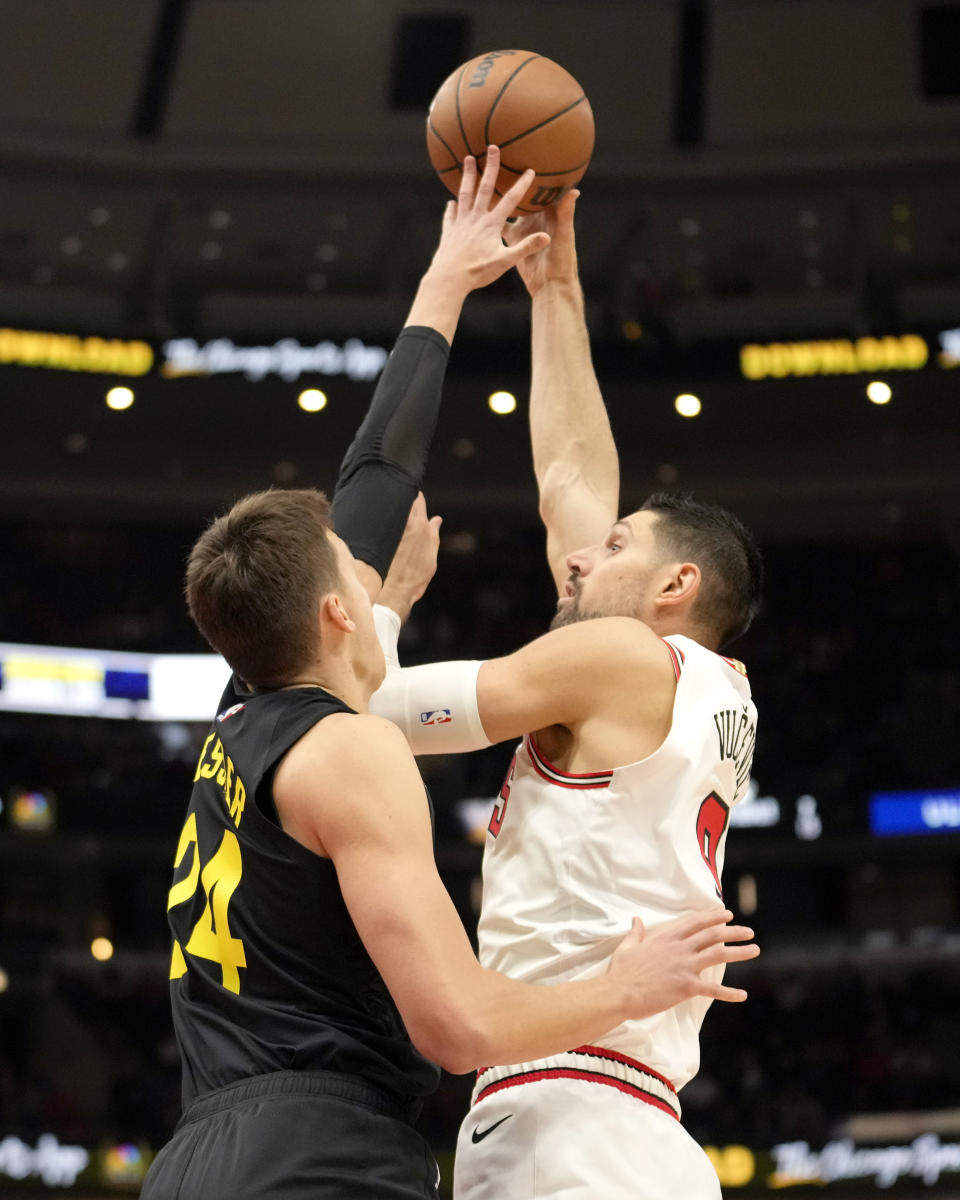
x=526, y=104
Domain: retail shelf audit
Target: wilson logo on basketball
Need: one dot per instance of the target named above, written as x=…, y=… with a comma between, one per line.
x=485, y=66
x=546, y=195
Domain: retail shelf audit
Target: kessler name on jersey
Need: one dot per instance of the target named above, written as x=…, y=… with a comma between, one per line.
x=216, y=764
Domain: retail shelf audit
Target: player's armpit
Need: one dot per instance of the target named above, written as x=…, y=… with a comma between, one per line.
x=592, y=669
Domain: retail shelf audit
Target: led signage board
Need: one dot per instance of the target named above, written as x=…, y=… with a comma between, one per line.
x=895, y=814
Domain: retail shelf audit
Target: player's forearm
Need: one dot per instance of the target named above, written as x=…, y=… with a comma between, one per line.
x=514, y=1022
x=569, y=427
x=383, y=469
x=439, y=302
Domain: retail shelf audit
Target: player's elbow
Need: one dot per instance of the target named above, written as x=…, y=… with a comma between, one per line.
x=453, y=1039
x=553, y=484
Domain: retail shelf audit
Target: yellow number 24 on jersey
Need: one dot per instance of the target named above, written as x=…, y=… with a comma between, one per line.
x=210, y=937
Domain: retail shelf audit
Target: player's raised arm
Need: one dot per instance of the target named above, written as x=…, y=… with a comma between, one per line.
x=382, y=470
x=368, y=815
x=574, y=456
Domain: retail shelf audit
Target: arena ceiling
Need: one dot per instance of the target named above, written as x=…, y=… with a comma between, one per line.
x=765, y=170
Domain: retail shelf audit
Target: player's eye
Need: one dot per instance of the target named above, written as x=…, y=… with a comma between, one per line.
x=613, y=547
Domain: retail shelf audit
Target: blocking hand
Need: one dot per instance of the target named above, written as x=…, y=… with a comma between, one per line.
x=664, y=967
x=472, y=248
x=415, y=561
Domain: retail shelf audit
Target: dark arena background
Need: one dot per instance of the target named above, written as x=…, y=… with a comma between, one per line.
x=224, y=206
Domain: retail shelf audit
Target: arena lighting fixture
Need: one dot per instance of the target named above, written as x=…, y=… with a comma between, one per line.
x=312, y=400
x=102, y=949
x=687, y=405
x=119, y=398
x=502, y=403
x=879, y=392
x=4, y=980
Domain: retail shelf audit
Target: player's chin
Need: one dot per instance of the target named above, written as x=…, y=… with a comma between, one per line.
x=567, y=613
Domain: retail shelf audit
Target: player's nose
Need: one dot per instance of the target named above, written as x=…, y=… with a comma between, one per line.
x=578, y=563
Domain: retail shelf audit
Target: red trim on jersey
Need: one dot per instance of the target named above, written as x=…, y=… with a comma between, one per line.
x=586, y=1076
x=676, y=655
x=736, y=664
x=616, y=1056
x=546, y=770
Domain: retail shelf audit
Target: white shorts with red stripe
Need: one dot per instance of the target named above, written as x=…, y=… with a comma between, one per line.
x=590, y=1124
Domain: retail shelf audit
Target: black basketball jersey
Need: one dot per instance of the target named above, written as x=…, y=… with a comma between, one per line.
x=268, y=972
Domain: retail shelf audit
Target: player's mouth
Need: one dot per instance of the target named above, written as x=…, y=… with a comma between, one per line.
x=571, y=591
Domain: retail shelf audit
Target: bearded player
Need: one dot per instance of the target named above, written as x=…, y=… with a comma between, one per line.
x=618, y=803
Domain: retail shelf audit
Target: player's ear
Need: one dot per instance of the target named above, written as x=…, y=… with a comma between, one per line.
x=680, y=585
x=334, y=615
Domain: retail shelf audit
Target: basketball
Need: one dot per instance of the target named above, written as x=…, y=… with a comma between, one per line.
x=526, y=104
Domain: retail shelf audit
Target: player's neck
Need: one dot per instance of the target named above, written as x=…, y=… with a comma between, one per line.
x=673, y=628
x=340, y=678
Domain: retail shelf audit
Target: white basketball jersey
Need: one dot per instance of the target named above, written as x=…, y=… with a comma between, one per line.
x=570, y=859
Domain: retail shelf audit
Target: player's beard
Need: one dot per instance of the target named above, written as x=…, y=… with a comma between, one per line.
x=626, y=603
x=570, y=614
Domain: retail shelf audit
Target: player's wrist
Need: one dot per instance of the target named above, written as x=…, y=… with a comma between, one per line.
x=398, y=600
x=617, y=995
x=448, y=281
x=438, y=303
x=560, y=289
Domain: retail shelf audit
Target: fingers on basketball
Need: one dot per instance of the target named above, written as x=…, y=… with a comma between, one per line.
x=526, y=104
x=467, y=183
x=488, y=180
x=530, y=245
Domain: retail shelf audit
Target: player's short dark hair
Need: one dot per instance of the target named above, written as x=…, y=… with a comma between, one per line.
x=730, y=563
x=255, y=578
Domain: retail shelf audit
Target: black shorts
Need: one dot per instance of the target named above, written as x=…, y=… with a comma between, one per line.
x=294, y=1135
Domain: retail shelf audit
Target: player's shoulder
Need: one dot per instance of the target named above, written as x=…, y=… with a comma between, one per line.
x=684, y=645
x=628, y=631
x=347, y=741
x=628, y=634
x=616, y=648
x=335, y=784
x=711, y=667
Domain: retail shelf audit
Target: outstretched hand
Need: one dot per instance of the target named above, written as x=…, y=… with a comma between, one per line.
x=415, y=561
x=472, y=248
x=663, y=968
x=558, y=259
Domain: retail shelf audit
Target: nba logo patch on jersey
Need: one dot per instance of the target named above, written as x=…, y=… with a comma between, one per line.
x=438, y=716
x=229, y=712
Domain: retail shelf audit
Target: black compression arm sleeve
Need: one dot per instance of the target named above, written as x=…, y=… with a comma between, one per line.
x=383, y=470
